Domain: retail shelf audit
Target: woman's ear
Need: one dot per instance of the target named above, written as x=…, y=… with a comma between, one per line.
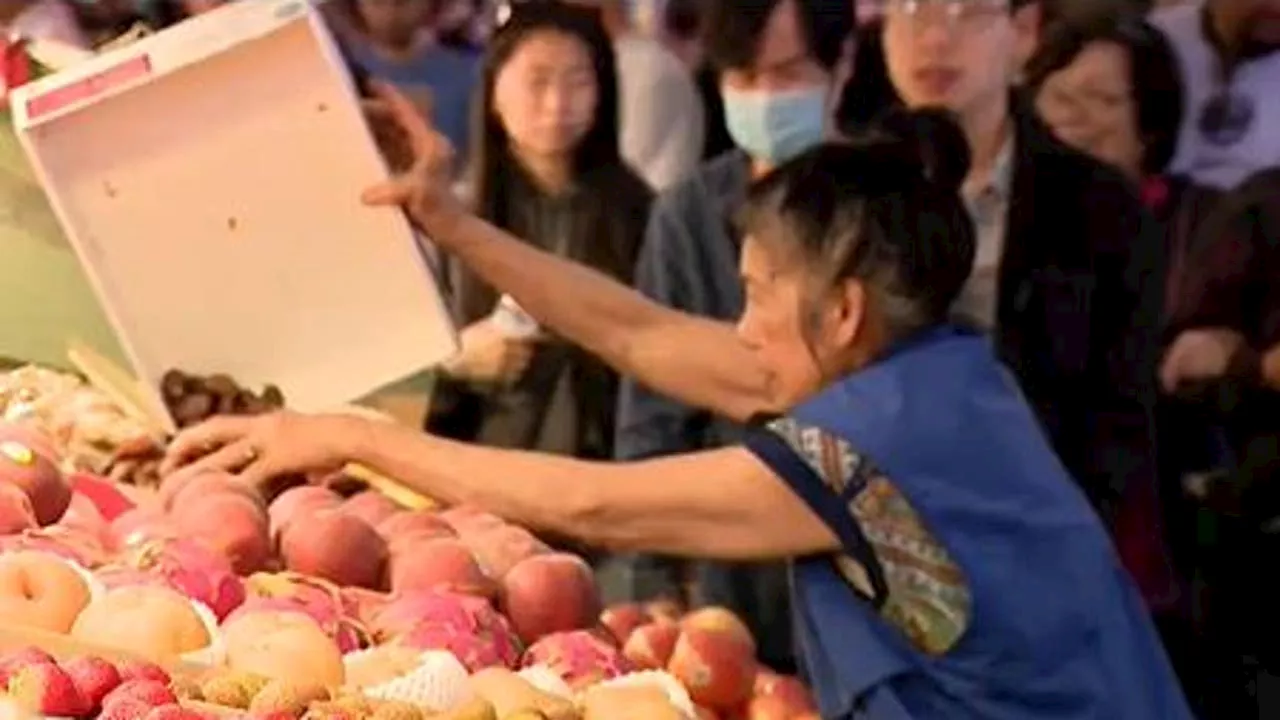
x=849, y=306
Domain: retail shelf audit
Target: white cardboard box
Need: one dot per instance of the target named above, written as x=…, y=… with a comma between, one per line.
x=209, y=178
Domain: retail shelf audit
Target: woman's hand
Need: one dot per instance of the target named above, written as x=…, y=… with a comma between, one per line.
x=1199, y=355
x=490, y=355
x=263, y=447
x=421, y=156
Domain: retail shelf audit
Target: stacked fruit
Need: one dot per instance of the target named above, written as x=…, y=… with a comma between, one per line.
x=89, y=686
x=712, y=652
x=290, y=590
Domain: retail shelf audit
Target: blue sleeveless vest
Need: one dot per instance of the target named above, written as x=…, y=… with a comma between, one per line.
x=1057, y=630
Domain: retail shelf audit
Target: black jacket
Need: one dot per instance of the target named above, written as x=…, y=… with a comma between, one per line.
x=1079, y=310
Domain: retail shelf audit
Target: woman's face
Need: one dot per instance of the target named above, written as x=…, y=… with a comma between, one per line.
x=802, y=334
x=545, y=95
x=1088, y=105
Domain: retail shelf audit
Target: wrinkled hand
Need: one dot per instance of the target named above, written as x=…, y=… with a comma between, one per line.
x=1198, y=355
x=257, y=449
x=420, y=155
x=490, y=355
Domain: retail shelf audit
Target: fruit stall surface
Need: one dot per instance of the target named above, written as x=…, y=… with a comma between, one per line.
x=124, y=594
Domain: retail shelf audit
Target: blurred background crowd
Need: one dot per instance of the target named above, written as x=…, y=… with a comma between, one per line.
x=1125, y=189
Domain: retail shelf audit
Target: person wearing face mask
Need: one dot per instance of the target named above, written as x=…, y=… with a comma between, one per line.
x=781, y=64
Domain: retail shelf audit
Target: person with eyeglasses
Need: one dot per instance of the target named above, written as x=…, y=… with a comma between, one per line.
x=1229, y=53
x=1064, y=274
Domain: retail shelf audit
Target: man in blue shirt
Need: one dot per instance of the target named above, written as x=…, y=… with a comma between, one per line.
x=393, y=41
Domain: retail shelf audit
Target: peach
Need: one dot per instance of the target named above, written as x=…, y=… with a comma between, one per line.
x=40, y=590
x=156, y=623
x=500, y=548
x=38, y=476
x=721, y=619
x=297, y=502
x=370, y=506
x=36, y=439
x=440, y=564
x=194, y=486
x=16, y=512
x=622, y=619
x=785, y=687
x=664, y=609
x=467, y=519
x=229, y=523
x=715, y=667
x=139, y=525
x=550, y=593
x=413, y=525
x=337, y=547
x=650, y=646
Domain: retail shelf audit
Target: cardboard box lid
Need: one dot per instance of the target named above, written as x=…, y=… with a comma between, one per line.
x=208, y=178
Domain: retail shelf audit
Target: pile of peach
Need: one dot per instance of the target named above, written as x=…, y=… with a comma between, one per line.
x=210, y=571
x=713, y=654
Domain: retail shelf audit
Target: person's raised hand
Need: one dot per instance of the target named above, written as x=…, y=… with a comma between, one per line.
x=260, y=448
x=418, y=153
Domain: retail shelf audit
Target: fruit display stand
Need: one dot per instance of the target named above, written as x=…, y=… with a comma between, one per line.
x=343, y=600
x=172, y=164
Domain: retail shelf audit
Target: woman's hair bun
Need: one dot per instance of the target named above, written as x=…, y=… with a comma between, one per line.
x=934, y=139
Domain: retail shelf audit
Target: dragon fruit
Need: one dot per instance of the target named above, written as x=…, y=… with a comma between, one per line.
x=581, y=657
x=365, y=603
x=405, y=611
x=80, y=546
x=466, y=626
x=324, y=602
x=191, y=569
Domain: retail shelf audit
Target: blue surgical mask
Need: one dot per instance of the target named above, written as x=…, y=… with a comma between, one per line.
x=775, y=126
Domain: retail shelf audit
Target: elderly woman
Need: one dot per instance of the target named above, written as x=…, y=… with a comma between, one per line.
x=944, y=564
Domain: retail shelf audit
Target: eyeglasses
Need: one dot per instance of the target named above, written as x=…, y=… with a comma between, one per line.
x=951, y=13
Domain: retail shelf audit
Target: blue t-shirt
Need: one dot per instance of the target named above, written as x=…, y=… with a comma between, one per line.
x=449, y=75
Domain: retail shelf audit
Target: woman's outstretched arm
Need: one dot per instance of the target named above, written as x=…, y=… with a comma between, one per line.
x=724, y=503
x=695, y=360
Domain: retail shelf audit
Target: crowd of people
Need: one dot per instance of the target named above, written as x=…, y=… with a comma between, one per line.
x=1121, y=181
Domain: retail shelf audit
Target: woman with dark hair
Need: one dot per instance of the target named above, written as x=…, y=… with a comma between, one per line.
x=545, y=165
x=1111, y=88
x=944, y=565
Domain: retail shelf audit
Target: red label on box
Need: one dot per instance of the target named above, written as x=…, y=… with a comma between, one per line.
x=89, y=87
